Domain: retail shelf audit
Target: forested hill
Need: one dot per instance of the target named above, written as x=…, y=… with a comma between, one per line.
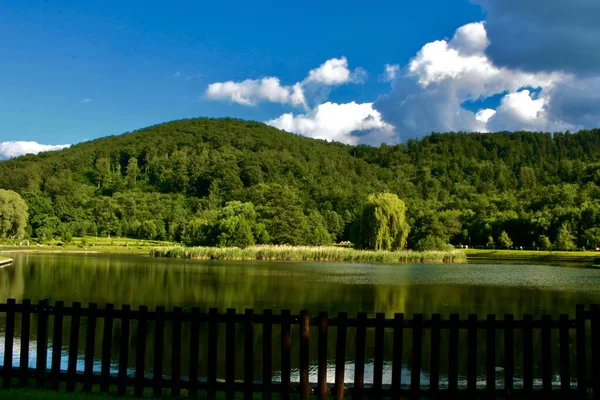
x=179, y=180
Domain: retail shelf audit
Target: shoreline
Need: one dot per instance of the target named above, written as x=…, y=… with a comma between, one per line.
x=531, y=255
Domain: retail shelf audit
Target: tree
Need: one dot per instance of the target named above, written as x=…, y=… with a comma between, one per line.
x=490, y=242
x=545, y=243
x=383, y=223
x=504, y=240
x=564, y=238
x=13, y=215
x=132, y=171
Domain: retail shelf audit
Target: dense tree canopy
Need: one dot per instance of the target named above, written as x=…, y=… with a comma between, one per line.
x=160, y=182
x=13, y=215
x=383, y=223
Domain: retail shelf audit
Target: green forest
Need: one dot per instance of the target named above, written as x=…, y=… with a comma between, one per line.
x=227, y=182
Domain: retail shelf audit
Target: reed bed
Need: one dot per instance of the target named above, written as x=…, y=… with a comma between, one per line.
x=308, y=253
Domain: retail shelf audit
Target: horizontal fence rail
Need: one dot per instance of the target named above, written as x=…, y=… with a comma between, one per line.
x=127, y=351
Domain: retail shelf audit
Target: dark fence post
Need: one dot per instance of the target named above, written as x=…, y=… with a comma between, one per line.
x=581, y=351
x=453, y=353
x=73, y=346
x=417, y=341
x=528, y=352
x=340, y=355
x=25, y=332
x=248, y=354
x=124, y=350
x=213, y=336
x=286, y=345
x=8, y=343
x=195, y=351
x=397, y=355
x=378, y=356
x=509, y=353
x=90, y=340
x=140, y=351
x=490, y=367
x=359, y=356
x=230, y=354
x=159, y=339
x=41, y=361
x=472, y=354
x=106, y=347
x=107, y=341
x=322, y=361
x=565, y=354
x=595, y=334
x=304, y=353
x=546, y=353
x=434, y=373
x=267, y=357
x=176, y=352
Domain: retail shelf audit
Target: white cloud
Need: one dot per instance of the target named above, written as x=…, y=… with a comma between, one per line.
x=443, y=75
x=87, y=100
x=348, y=123
x=389, y=72
x=19, y=148
x=250, y=92
x=484, y=115
x=335, y=72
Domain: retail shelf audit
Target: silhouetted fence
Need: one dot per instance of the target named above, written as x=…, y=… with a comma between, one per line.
x=578, y=364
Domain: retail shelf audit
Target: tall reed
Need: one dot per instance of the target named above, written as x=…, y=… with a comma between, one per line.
x=308, y=253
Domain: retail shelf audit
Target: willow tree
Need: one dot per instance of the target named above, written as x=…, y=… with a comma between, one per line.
x=13, y=214
x=383, y=223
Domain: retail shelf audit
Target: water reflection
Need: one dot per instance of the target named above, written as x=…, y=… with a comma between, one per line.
x=445, y=289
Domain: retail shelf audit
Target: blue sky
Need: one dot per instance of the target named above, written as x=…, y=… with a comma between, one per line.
x=72, y=71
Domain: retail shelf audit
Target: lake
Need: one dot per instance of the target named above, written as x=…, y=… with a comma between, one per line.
x=332, y=287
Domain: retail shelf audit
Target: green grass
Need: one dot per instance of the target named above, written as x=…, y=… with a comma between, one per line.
x=307, y=253
x=87, y=244
x=533, y=255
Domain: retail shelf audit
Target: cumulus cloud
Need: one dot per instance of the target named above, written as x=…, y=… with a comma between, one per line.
x=348, y=123
x=332, y=72
x=430, y=93
x=250, y=92
x=335, y=72
x=86, y=100
x=544, y=35
x=19, y=148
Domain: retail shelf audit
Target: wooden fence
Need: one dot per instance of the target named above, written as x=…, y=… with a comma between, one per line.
x=580, y=380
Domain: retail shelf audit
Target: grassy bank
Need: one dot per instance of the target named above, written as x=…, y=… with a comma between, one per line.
x=88, y=244
x=530, y=255
x=306, y=253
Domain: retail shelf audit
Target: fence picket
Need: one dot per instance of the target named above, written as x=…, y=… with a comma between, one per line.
x=397, y=355
x=417, y=340
x=107, y=340
x=194, y=351
x=159, y=337
x=140, y=351
x=509, y=352
x=90, y=339
x=472, y=354
x=340, y=355
x=546, y=353
x=41, y=360
x=434, y=368
x=267, y=357
x=248, y=353
x=528, y=352
x=213, y=335
x=123, y=350
x=359, y=356
x=595, y=334
x=378, y=356
x=176, y=352
x=581, y=351
x=453, y=353
x=565, y=355
x=9, y=336
x=286, y=346
x=73, y=346
x=25, y=332
x=490, y=367
x=230, y=354
x=304, y=353
x=57, y=345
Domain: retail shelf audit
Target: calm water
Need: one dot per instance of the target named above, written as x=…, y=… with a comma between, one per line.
x=445, y=289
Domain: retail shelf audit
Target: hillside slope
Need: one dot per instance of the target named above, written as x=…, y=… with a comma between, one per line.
x=459, y=188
